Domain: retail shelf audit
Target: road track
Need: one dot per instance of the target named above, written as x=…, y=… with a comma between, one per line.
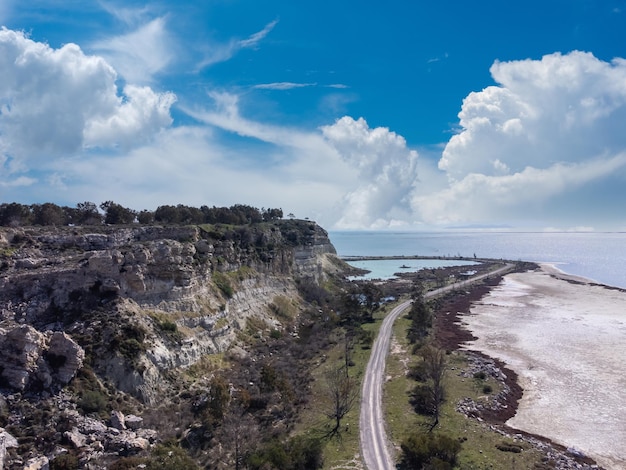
x=374, y=443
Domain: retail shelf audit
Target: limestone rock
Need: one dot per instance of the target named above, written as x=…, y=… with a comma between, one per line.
x=31, y=356
x=20, y=349
x=117, y=420
x=38, y=463
x=133, y=422
x=76, y=438
x=9, y=441
x=64, y=356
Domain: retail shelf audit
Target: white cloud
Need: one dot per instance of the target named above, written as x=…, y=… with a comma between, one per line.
x=282, y=86
x=560, y=108
x=137, y=118
x=387, y=173
x=370, y=173
x=129, y=16
x=483, y=198
x=53, y=102
x=141, y=54
x=548, y=132
x=216, y=53
x=255, y=38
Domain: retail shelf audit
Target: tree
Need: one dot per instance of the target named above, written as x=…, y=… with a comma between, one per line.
x=343, y=391
x=145, y=217
x=429, y=397
x=420, y=316
x=272, y=214
x=239, y=436
x=87, y=214
x=116, y=214
x=15, y=215
x=48, y=214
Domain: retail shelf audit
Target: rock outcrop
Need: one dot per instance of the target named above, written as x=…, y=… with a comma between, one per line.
x=119, y=313
x=142, y=300
x=31, y=359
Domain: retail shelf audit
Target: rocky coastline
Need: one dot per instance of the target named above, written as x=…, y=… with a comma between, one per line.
x=452, y=335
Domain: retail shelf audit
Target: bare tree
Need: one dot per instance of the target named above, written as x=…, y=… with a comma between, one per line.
x=343, y=391
x=237, y=437
x=435, y=368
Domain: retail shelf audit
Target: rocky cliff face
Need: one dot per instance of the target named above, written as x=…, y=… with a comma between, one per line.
x=135, y=302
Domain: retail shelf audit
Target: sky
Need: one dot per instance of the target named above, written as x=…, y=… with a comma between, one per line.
x=404, y=115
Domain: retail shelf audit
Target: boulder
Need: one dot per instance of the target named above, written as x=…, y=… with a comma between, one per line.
x=117, y=420
x=133, y=422
x=30, y=356
x=20, y=348
x=76, y=438
x=37, y=463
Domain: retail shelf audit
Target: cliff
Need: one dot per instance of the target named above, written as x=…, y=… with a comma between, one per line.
x=136, y=302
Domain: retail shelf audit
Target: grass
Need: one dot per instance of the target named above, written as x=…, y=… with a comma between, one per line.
x=482, y=447
x=343, y=449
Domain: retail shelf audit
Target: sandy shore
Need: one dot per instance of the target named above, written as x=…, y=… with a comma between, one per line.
x=566, y=340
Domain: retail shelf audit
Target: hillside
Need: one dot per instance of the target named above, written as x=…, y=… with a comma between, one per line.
x=102, y=325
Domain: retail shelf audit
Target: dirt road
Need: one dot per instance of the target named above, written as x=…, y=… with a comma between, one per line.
x=374, y=443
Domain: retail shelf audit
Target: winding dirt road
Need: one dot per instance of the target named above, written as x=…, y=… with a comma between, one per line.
x=374, y=442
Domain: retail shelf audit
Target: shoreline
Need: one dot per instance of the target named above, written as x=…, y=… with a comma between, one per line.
x=517, y=412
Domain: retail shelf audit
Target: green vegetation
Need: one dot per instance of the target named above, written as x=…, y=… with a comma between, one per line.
x=479, y=447
x=67, y=461
x=87, y=213
x=223, y=283
x=429, y=450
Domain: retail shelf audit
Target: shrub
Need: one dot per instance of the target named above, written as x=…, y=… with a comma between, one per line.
x=506, y=447
x=418, y=372
x=127, y=463
x=296, y=454
x=422, y=400
x=223, y=283
x=170, y=457
x=428, y=450
x=487, y=389
x=93, y=401
x=480, y=375
x=64, y=462
x=130, y=348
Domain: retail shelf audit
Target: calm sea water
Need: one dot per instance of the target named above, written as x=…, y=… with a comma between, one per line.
x=597, y=256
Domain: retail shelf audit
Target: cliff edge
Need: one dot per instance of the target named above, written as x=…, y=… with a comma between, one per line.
x=135, y=302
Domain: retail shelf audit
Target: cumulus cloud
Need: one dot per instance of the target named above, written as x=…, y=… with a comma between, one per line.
x=370, y=172
x=55, y=102
x=549, y=127
x=140, y=54
x=386, y=172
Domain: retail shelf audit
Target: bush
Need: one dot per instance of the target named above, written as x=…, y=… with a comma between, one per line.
x=299, y=453
x=505, y=447
x=418, y=372
x=429, y=450
x=93, y=401
x=131, y=348
x=170, y=457
x=223, y=283
x=64, y=462
x=487, y=389
x=422, y=400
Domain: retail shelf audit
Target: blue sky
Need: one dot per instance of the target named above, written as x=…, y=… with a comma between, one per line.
x=403, y=115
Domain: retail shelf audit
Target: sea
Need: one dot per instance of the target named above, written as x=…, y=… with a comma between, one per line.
x=597, y=256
